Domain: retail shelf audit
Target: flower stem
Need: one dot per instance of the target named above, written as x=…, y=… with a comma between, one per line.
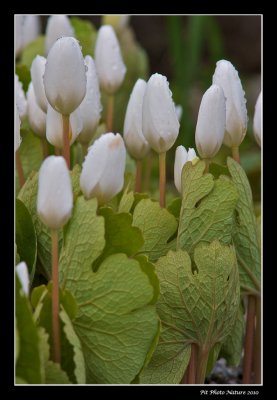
x=235, y=154
x=162, y=162
x=44, y=147
x=249, y=340
x=203, y=356
x=55, y=298
x=257, y=343
x=19, y=169
x=190, y=375
x=110, y=107
x=147, y=179
x=207, y=162
x=138, y=176
x=66, y=141
x=57, y=151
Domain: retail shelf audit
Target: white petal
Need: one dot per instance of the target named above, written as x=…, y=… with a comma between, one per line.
x=65, y=76
x=90, y=108
x=134, y=139
x=257, y=123
x=19, y=19
x=227, y=77
x=181, y=156
x=37, y=72
x=21, y=101
x=211, y=122
x=179, y=111
x=103, y=169
x=31, y=28
x=108, y=60
x=55, y=197
x=191, y=154
x=160, y=124
x=17, y=139
x=23, y=276
x=57, y=27
x=37, y=118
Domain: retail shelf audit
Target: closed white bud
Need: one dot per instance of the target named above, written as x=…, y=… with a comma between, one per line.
x=23, y=276
x=181, y=157
x=55, y=197
x=134, y=139
x=211, y=122
x=19, y=19
x=54, y=127
x=227, y=77
x=21, y=101
x=108, y=60
x=179, y=111
x=65, y=75
x=37, y=72
x=57, y=26
x=257, y=123
x=31, y=28
x=36, y=117
x=90, y=108
x=17, y=137
x=102, y=175
x=160, y=124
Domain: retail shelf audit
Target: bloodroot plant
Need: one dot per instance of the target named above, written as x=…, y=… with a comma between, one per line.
x=112, y=285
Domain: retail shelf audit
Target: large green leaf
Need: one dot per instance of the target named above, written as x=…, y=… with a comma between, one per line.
x=28, y=365
x=126, y=201
x=232, y=347
x=245, y=235
x=207, y=211
x=120, y=235
x=116, y=322
x=28, y=195
x=33, y=49
x=55, y=375
x=26, y=239
x=198, y=307
x=157, y=226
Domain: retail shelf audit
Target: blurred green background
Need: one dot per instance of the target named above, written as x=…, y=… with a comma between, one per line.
x=185, y=49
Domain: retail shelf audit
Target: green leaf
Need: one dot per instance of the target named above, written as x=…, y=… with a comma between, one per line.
x=120, y=235
x=85, y=33
x=28, y=195
x=207, y=211
x=198, y=307
x=213, y=357
x=157, y=226
x=126, y=201
x=26, y=239
x=175, y=207
x=31, y=154
x=28, y=366
x=217, y=169
x=17, y=341
x=55, y=375
x=75, y=179
x=24, y=75
x=245, y=235
x=232, y=347
x=20, y=381
x=32, y=50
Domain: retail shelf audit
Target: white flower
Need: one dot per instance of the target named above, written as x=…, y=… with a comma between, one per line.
x=181, y=157
x=31, y=28
x=55, y=197
x=179, y=111
x=257, y=123
x=57, y=27
x=21, y=101
x=37, y=72
x=90, y=108
x=134, y=139
x=211, y=122
x=227, y=77
x=17, y=139
x=102, y=175
x=108, y=60
x=18, y=33
x=23, y=276
x=160, y=124
x=36, y=117
x=54, y=126
x=65, y=76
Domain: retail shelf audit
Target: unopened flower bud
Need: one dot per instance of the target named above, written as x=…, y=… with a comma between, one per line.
x=108, y=60
x=160, y=124
x=181, y=157
x=102, y=175
x=21, y=101
x=23, y=276
x=37, y=72
x=55, y=197
x=57, y=27
x=36, y=117
x=31, y=28
x=65, y=76
x=17, y=139
x=134, y=139
x=257, y=123
x=211, y=122
x=227, y=77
